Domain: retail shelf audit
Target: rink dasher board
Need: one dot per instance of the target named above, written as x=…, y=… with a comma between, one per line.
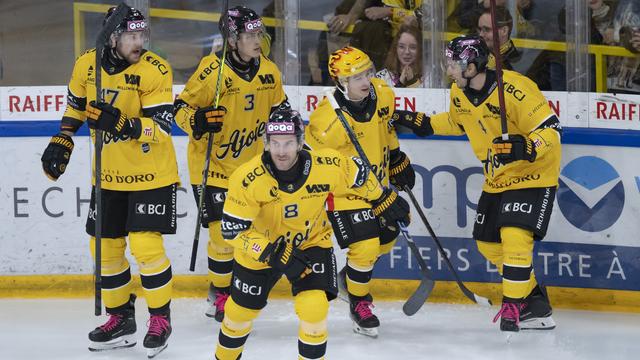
x=574, y=109
x=44, y=221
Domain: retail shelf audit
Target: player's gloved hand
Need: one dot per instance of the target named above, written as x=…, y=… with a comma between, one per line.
x=281, y=255
x=517, y=147
x=56, y=156
x=418, y=122
x=391, y=208
x=401, y=172
x=207, y=120
x=108, y=118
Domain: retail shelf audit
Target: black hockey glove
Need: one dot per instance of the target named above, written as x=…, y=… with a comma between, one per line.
x=207, y=120
x=418, y=122
x=108, y=118
x=391, y=208
x=401, y=172
x=283, y=257
x=56, y=156
x=517, y=147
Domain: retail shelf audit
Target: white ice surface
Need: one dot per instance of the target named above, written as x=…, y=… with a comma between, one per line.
x=57, y=329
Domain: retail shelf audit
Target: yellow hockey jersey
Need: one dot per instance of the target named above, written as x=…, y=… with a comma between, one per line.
x=526, y=110
x=142, y=90
x=259, y=210
x=248, y=101
x=374, y=132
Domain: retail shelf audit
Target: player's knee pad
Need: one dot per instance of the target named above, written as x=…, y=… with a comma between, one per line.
x=517, y=268
x=386, y=247
x=112, y=255
x=220, y=257
x=217, y=247
x=155, y=268
x=237, y=317
x=312, y=306
x=116, y=273
x=492, y=251
x=363, y=254
x=147, y=248
x=517, y=242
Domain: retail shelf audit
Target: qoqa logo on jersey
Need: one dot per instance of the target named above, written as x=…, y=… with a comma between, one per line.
x=591, y=194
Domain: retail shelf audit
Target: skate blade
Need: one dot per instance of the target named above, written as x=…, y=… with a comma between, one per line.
x=121, y=342
x=370, y=332
x=211, y=311
x=152, y=352
x=545, y=323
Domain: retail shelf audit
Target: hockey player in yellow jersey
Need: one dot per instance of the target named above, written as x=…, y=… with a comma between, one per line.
x=275, y=219
x=251, y=88
x=521, y=173
x=139, y=176
x=368, y=104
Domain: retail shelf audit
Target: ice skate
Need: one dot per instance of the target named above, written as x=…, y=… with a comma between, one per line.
x=364, y=321
x=216, y=299
x=537, y=311
x=159, y=330
x=509, y=316
x=118, y=332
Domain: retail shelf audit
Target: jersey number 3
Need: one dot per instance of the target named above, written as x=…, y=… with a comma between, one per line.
x=250, y=105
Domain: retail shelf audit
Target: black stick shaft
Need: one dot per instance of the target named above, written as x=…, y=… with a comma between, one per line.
x=498, y=56
x=205, y=173
x=103, y=37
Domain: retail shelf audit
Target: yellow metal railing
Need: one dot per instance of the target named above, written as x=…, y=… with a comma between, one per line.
x=600, y=52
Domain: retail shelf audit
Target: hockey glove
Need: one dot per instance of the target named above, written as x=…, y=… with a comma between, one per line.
x=108, y=118
x=401, y=172
x=291, y=261
x=391, y=208
x=517, y=147
x=207, y=120
x=56, y=156
x=417, y=122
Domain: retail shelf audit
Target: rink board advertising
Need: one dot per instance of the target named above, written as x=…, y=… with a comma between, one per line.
x=592, y=241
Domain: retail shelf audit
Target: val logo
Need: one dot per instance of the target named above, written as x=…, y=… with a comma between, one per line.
x=591, y=194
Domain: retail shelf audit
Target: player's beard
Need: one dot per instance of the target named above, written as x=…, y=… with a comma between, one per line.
x=133, y=56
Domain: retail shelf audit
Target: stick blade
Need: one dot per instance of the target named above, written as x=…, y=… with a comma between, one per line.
x=482, y=301
x=419, y=297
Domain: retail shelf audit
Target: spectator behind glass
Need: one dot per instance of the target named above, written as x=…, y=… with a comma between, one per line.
x=613, y=23
x=508, y=51
x=624, y=72
x=469, y=11
x=404, y=61
x=382, y=20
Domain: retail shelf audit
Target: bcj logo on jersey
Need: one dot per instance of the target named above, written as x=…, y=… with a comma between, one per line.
x=591, y=194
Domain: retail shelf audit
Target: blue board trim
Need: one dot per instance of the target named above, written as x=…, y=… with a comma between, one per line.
x=584, y=136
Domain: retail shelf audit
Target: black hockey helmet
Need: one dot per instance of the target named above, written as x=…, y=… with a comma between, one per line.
x=285, y=122
x=240, y=19
x=133, y=21
x=468, y=49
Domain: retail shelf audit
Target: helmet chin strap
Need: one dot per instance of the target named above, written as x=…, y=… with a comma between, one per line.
x=343, y=90
x=468, y=78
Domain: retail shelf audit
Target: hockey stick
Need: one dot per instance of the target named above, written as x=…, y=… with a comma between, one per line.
x=498, y=56
x=103, y=37
x=468, y=293
x=418, y=298
x=205, y=173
